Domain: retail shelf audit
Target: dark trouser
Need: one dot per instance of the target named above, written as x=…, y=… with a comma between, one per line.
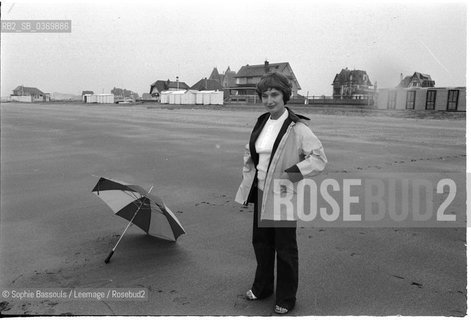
x=266, y=242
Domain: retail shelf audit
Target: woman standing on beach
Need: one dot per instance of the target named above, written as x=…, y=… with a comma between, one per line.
x=281, y=146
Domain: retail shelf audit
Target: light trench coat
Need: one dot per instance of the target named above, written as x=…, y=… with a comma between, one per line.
x=297, y=152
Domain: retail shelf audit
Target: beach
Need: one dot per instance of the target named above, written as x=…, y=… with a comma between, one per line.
x=56, y=234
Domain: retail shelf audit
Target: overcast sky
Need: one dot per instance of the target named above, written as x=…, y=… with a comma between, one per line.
x=130, y=44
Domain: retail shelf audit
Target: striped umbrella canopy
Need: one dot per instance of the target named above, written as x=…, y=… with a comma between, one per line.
x=141, y=208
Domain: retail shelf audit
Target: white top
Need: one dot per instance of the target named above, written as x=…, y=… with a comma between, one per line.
x=264, y=145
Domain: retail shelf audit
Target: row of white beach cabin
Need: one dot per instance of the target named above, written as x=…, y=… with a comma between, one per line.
x=98, y=98
x=416, y=98
x=192, y=97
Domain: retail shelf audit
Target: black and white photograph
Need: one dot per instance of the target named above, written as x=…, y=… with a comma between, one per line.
x=233, y=158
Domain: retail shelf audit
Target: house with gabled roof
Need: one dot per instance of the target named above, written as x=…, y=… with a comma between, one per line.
x=418, y=79
x=216, y=76
x=248, y=76
x=207, y=84
x=27, y=91
x=226, y=79
x=31, y=94
x=351, y=84
x=161, y=85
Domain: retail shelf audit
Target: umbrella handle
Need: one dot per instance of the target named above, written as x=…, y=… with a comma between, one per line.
x=107, y=260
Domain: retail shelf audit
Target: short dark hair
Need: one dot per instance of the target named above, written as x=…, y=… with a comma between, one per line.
x=275, y=80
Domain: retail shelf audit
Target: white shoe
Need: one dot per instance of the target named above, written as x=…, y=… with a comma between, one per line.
x=280, y=310
x=250, y=296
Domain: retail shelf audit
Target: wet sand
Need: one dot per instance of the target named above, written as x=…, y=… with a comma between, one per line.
x=56, y=234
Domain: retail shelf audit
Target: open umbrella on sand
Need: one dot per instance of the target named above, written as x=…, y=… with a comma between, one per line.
x=139, y=207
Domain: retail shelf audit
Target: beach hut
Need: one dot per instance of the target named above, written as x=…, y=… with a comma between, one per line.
x=175, y=97
x=189, y=97
x=178, y=97
x=86, y=97
x=100, y=98
x=91, y=98
x=417, y=98
x=199, y=97
x=217, y=97
x=450, y=99
x=164, y=96
x=171, y=98
x=105, y=98
x=206, y=97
